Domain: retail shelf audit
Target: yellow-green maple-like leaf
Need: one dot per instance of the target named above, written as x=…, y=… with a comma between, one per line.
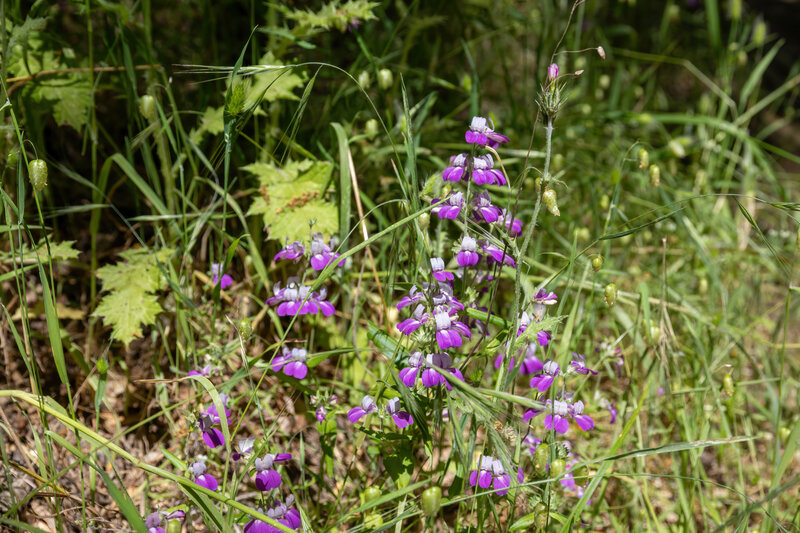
x=278, y=84
x=126, y=311
x=291, y=198
x=131, y=302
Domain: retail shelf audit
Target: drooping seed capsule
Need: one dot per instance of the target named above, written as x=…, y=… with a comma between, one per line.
x=431, y=500
x=147, y=106
x=783, y=434
x=644, y=158
x=551, y=201
x=371, y=492
x=610, y=294
x=601, y=52
x=541, y=457
x=371, y=128
x=424, y=221
x=597, y=263
x=655, y=175
x=37, y=173
x=702, y=286
x=385, y=78
x=364, y=80
x=759, y=32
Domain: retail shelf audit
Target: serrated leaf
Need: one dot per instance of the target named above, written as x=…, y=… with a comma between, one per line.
x=131, y=303
x=211, y=121
x=126, y=311
x=20, y=34
x=332, y=15
x=71, y=96
x=290, y=198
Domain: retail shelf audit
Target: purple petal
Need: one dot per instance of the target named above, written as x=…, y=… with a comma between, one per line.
x=562, y=424
x=473, y=478
x=213, y=438
x=502, y=482
x=584, y=422
x=207, y=481
x=355, y=414
x=485, y=479
x=402, y=419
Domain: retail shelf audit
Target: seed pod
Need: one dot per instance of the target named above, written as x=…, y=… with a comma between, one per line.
x=551, y=201
x=655, y=175
x=610, y=294
x=759, y=32
x=372, y=492
x=653, y=332
x=364, y=80
x=736, y=9
x=601, y=52
x=540, y=459
x=371, y=128
x=702, y=287
x=385, y=78
x=147, y=106
x=245, y=328
x=540, y=516
x=783, y=434
x=538, y=184
x=727, y=385
x=644, y=158
x=431, y=500
x=37, y=173
x=424, y=221
x=597, y=263
x=557, y=468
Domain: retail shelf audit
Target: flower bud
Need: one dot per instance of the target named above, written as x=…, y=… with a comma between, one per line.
x=425, y=221
x=644, y=158
x=552, y=71
x=655, y=175
x=597, y=263
x=610, y=293
x=736, y=9
x=702, y=286
x=147, y=106
x=466, y=82
x=385, y=78
x=551, y=201
x=538, y=184
x=371, y=128
x=557, y=468
x=674, y=13
x=601, y=52
x=431, y=501
x=364, y=80
x=540, y=459
x=37, y=173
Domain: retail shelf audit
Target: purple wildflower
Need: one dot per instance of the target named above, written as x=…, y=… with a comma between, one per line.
x=498, y=361
x=482, y=133
x=439, y=273
x=449, y=332
x=367, y=406
x=578, y=364
x=495, y=254
x=458, y=163
x=267, y=478
x=410, y=325
x=198, y=470
x=295, y=299
x=280, y=512
x=467, y=256
x=512, y=225
x=483, y=208
x=322, y=406
x=490, y=472
x=532, y=443
x=205, y=371
x=153, y=523
x=243, y=447
x=559, y=413
x=428, y=366
x=451, y=208
x=401, y=418
x=212, y=436
x=542, y=382
x=293, y=252
x=530, y=365
x=321, y=254
x=483, y=172
x=216, y=271
x=552, y=71
x=612, y=410
x=293, y=362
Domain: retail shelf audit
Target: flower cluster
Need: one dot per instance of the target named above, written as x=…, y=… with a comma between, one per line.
x=490, y=473
x=400, y=418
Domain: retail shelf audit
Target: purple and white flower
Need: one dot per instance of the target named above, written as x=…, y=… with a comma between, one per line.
x=243, y=447
x=512, y=225
x=458, y=164
x=484, y=173
x=426, y=367
x=578, y=364
x=293, y=252
x=296, y=299
x=483, y=209
x=496, y=255
x=267, y=478
x=367, y=406
x=220, y=277
x=451, y=208
x=481, y=132
x=292, y=362
x=198, y=470
x=467, y=256
x=401, y=418
x=322, y=255
x=439, y=273
x=542, y=382
x=490, y=473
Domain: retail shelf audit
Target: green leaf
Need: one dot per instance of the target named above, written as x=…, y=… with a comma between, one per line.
x=400, y=465
x=72, y=96
x=131, y=284
x=20, y=34
x=290, y=198
x=278, y=84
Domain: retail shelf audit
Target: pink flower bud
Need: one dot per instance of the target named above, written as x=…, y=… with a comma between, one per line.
x=552, y=71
